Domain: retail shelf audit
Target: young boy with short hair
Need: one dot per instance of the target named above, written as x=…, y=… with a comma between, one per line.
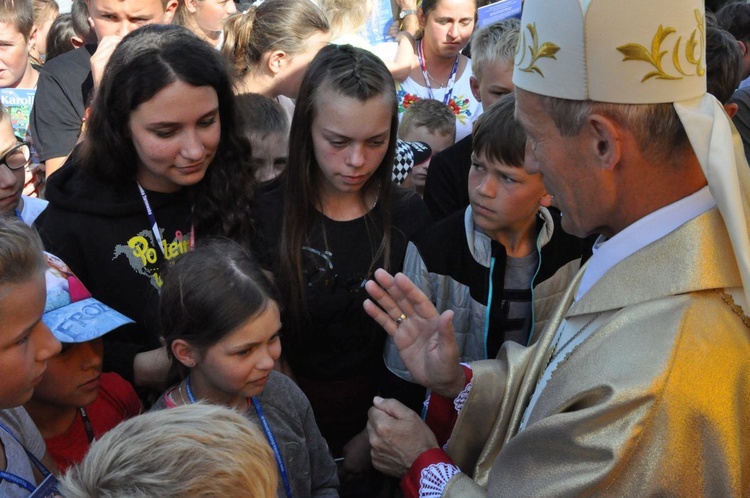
x=17, y=35
x=25, y=346
x=75, y=402
x=503, y=262
x=493, y=50
x=66, y=83
x=267, y=127
x=431, y=122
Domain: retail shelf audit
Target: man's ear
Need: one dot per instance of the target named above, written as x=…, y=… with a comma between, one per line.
x=743, y=46
x=605, y=140
x=474, y=85
x=731, y=109
x=76, y=41
x=185, y=353
x=169, y=10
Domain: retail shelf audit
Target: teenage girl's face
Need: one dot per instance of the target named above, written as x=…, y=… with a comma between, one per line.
x=448, y=27
x=238, y=365
x=175, y=134
x=211, y=14
x=25, y=341
x=11, y=182
x=348, y=148
x=293, y=70
x=72, y=377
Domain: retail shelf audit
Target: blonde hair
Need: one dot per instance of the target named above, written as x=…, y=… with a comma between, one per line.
x=21, y=256
x=346, y=16
x=44, y=10
x=494, y=43
x=19, y=13
x=197, y=450
x=273, y=25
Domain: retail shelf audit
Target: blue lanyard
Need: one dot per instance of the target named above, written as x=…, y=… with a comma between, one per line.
x=451, y=80
x=19, y=481
x=155, y=226
x=18, y=214
x=266, y=430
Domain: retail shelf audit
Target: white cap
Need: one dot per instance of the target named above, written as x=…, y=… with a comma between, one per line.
x=633, y=52
x=641, y=52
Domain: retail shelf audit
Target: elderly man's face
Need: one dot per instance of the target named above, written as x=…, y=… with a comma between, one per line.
x=565, y=163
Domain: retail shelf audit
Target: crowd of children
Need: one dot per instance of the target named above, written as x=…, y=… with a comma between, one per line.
x=220, y=186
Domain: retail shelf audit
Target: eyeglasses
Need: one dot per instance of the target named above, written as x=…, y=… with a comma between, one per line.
x=18, y=157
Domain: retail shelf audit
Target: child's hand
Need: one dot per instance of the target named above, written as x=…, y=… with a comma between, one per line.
x=356, y=458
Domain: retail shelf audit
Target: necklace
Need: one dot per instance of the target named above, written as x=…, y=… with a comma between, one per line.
x=435, y=80
x=428, y=77
x=556, y=351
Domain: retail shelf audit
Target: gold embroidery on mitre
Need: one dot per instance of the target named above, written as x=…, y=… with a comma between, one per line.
x=547, y=49
x=637, y=52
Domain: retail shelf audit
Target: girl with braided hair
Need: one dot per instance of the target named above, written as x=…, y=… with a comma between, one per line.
x=333, y=218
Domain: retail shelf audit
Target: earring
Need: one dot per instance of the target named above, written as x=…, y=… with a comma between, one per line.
x=191, y=364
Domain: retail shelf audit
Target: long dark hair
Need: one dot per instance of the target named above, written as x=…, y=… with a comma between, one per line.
x=146, y=61
x=209, y=292
x=353, y=73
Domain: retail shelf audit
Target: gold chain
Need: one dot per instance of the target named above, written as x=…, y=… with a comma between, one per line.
x=735, y=307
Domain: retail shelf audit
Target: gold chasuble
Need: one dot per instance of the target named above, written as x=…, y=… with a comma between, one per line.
x=656, y=400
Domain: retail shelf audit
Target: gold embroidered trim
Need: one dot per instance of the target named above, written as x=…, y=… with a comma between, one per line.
x=637, y=52
x=735, y=307
x=547, y=49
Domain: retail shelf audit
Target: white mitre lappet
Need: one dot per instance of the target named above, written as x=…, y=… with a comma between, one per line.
x=641, y=52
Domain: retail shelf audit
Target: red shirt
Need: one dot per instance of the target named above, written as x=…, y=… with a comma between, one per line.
x=116, y=402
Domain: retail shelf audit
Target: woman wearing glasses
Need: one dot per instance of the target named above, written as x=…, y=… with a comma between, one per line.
x=15, y=158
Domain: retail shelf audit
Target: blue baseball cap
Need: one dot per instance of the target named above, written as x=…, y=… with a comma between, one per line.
x=70, y=312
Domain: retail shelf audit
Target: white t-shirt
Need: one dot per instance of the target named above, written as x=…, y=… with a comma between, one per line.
x=466, y=108
x=32, y=207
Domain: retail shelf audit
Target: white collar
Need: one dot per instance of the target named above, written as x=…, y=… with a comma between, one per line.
x=609, y=252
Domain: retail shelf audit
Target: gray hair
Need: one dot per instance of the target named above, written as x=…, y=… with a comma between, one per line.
x=656, y=127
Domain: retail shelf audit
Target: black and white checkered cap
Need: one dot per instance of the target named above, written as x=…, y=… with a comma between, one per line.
x=408, y=154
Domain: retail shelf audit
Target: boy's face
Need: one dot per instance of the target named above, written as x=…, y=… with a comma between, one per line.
x=25, y=342
x=269, y=155
x=503, y=198
x=72, y=377
x=14, y=55
x=11, y=181
x=495, y=81
x=437, y=142
x=120, y=17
